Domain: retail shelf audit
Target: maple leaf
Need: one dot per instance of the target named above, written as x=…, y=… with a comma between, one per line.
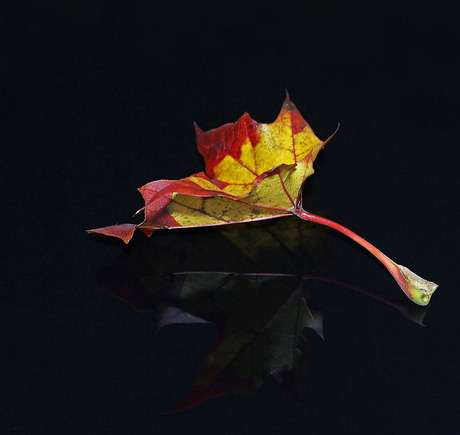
x=254, y=171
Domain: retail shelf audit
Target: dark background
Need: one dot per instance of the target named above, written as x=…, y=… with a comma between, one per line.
x=98, y=99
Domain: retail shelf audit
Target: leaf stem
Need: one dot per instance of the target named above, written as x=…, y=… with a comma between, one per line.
x=416, y=288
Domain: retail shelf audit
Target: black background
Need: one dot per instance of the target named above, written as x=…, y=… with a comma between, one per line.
x=98, y=99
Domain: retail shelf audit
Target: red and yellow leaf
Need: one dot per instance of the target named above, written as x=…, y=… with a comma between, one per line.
x=254, y=171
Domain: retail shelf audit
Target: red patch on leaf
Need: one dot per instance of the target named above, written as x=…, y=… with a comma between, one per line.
x=219, y=142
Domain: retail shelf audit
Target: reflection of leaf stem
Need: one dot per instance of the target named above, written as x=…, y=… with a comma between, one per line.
x=416, y=288
x=412, y=313
x=197, y=272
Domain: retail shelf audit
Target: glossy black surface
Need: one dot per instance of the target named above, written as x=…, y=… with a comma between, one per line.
x=99, y=99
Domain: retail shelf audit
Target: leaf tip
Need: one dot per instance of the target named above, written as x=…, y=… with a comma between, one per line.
x=288, y=104
x=198, y=130
x=287, y=98
x=124, y=231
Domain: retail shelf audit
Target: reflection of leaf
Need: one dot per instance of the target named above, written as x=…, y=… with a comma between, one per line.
x=254, y=171
x=262, y=322
x=298, y=242
x=262, y=317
